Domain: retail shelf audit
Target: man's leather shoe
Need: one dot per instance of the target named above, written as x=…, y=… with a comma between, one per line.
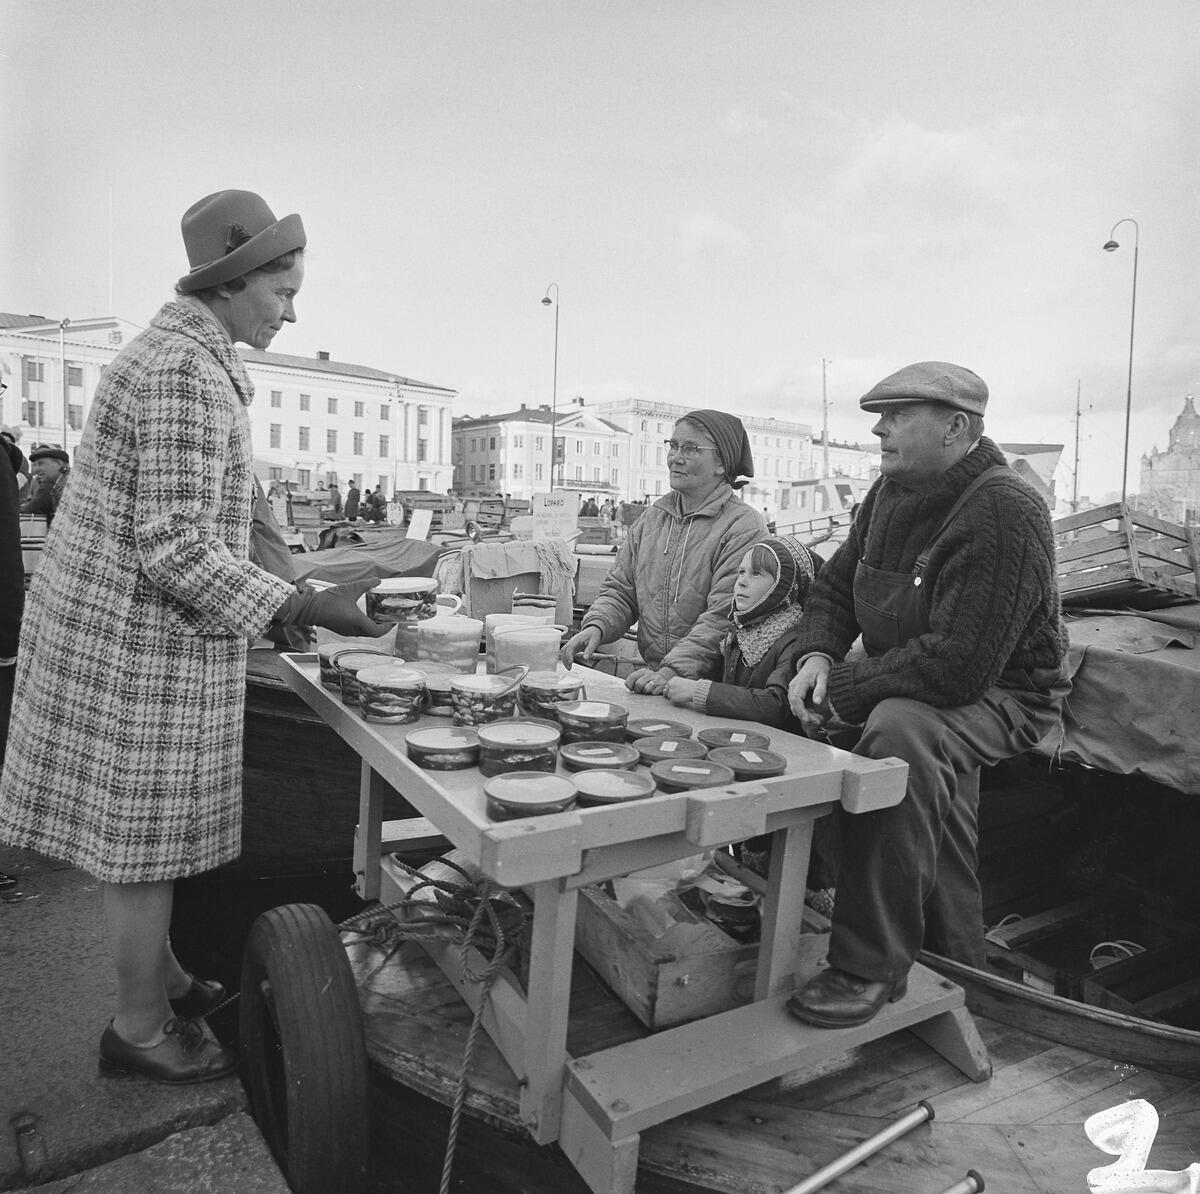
x=835, y=999
x=199, y=999
x=185, y=1054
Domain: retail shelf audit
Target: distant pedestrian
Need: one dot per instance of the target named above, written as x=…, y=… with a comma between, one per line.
x=374, y=505
x=51, y=467
x=352, y=502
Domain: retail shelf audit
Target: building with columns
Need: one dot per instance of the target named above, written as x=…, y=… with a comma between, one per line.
x=511, y=454
x=313, y=419
x=782, y=450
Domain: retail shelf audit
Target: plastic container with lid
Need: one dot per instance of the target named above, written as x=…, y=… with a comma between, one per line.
x=348, y=661
x=443, y=748
x=612, y=787
x=494, y=622
x=609, y=756
x=536, y=647
x=690, y=774
x=719, y=736
x=542, y=692
x=452, y=639
x=392, y=694
x=657, y=750
x=527, y=794
x=437, y=680
x=519, y=744
x=656, y=727
x=592, y=721
x=406, y=598
x=749, y=762
x=479, y=698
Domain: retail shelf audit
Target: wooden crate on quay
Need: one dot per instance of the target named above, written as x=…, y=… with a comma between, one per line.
x=1117, y=556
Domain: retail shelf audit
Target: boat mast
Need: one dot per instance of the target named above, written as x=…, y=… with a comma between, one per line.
x=824, y=418
x=1075, y=479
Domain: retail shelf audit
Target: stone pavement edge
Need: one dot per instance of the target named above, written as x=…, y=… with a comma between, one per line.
x=58, y=1116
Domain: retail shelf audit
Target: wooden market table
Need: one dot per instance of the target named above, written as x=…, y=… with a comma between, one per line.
x=596, y=1106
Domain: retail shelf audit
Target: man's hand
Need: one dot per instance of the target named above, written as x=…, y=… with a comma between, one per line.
x=807, y=692
x=681, y=691
x=647, y=680
x=582, y=644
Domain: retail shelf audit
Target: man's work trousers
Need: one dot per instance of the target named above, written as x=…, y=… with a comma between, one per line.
x=908, y=878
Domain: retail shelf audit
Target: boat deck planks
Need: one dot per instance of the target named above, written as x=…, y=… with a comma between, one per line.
x=1022, y=1129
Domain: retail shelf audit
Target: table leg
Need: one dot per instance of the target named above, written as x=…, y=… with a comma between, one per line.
x=369, y=834
x=783, y=909
x=548, y=998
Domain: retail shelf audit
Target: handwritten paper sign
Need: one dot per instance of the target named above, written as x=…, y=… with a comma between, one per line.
x=555, y=515
x=418, y=524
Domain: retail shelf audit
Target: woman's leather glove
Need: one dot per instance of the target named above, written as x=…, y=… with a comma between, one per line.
x=328, y=608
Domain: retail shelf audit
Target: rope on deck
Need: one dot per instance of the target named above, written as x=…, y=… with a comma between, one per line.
x=470, y=913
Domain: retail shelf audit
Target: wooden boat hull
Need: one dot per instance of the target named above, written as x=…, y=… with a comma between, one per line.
x=1056, y=1061
x=1129, y=1039
x=1022, y=1130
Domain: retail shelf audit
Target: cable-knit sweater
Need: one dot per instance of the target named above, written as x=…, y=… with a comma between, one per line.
x=991, y=584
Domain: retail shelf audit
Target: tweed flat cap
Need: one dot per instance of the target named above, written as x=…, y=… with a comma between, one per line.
x=929, y=381
x=49, y=452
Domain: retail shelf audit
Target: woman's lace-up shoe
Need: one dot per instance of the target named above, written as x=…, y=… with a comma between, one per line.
x=202, y=997
x=185, y=1054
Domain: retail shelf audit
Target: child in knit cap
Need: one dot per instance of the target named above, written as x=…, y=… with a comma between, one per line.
x=760, y=654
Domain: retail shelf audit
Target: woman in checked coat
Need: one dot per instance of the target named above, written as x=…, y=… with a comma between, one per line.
x=125, y=749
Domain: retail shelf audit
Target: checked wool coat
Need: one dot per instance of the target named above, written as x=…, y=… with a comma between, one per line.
x=125, y=749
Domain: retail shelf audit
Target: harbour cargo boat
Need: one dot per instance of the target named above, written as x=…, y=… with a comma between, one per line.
x=1091, y=996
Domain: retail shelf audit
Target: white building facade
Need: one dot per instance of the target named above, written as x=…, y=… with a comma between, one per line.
x=512, y=454
x=313, y=420
x=782, y=449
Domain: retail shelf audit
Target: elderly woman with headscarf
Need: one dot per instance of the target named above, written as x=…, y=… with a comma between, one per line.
x=674, y=573
x=125, y=755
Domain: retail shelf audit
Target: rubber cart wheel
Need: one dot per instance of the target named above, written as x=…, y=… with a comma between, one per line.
x=304, y=1057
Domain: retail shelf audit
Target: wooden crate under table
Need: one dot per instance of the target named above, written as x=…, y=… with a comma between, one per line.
x=1117, y=556
x=662, y=986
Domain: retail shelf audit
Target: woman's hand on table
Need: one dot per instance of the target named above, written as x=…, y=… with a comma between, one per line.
x=680, y=691
x=649, y=681
x=582, y=644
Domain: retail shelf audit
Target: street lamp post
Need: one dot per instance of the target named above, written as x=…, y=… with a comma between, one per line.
x=63, y=324
x=1109, y=246
x=553, y=302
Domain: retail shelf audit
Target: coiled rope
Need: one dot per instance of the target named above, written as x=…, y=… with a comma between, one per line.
x=473, y=913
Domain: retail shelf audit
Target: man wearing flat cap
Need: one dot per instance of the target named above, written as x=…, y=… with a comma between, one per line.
x=50, y=469
x=948, y=574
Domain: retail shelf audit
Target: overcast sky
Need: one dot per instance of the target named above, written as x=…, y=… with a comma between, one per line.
x=725, y=193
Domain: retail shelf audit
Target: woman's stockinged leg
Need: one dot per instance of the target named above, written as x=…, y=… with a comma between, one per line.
x=138, y=917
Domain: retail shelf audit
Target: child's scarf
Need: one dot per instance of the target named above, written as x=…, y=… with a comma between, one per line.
x=756, y=640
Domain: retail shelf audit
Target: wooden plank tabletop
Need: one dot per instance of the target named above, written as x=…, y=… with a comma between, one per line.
x=611, y=840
